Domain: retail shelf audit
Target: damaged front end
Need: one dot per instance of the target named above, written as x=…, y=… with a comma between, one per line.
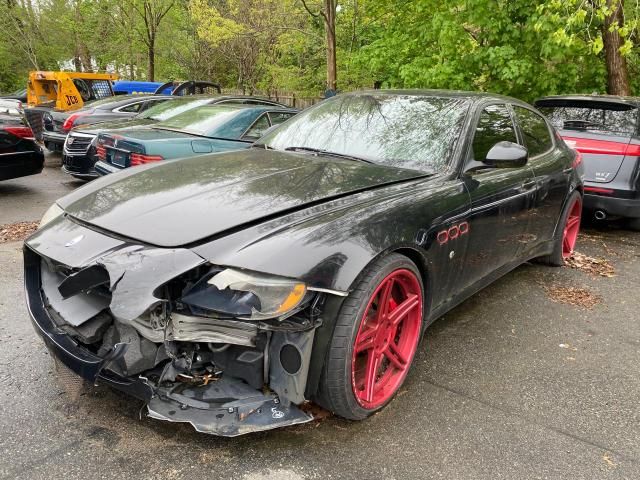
x=223, y=349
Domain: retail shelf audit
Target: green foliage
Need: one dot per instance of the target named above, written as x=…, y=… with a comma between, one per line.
x=524, y=48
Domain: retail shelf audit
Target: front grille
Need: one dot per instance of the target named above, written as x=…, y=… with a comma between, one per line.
x=78, y=143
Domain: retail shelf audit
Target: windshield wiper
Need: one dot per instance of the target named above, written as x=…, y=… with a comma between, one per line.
x=319, y=151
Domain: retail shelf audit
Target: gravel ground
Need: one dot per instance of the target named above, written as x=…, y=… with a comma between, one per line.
x=512, y=384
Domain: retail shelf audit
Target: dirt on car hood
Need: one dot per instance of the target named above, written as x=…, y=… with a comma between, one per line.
x=180, y=202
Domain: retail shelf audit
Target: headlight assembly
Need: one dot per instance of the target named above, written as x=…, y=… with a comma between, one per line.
x=51, y=214
x=246, y=295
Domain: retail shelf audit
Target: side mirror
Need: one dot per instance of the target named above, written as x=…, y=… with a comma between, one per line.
x=507, y=155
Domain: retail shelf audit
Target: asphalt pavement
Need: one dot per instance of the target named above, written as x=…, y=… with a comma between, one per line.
x=512, y=384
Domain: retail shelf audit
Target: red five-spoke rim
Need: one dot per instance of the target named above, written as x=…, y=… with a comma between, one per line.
x=571, y=228
x=387, y=339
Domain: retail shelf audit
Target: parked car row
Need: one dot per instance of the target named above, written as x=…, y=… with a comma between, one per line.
x=227, y=289
x=79, y=150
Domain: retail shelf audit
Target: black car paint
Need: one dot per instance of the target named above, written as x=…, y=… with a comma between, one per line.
x=19, y=156
x=618, y=175
x=323, y=220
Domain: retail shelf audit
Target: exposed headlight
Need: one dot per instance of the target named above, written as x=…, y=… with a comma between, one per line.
x=54, y=212
x=245, y=295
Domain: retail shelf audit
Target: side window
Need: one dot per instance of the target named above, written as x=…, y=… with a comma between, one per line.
x=536, y=134
x=151, y=103
x=257, y=129
x=278, y=117
x=133, y=108
x=495, y=125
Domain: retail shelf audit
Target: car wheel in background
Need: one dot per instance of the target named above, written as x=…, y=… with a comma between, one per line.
x=375, y=339
x=568, y=229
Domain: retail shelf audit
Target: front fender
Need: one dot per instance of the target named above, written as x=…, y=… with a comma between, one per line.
x=328, y=245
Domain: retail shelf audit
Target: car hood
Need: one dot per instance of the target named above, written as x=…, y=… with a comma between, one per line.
x=180, y=202
x=114, y=125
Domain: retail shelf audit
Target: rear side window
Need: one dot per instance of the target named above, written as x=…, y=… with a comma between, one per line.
x=278, y=117
x=257, y=129
x=495, y=125
x=591, y=116
x=133, y=108
x=537, y=138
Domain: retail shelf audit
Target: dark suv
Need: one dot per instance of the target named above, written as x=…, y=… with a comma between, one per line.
x=605, y=130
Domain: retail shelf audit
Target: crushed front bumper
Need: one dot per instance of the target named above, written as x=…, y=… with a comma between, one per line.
x=75, y=357
x=225, y=407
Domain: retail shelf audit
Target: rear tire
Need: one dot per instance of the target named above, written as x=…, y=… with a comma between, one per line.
x=568, y=229
x=634, y=224
x=372, y=349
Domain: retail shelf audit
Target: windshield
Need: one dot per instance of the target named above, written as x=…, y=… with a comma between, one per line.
x=203, y=121
x=172, y=107
x=405, y=131
x=591, y=116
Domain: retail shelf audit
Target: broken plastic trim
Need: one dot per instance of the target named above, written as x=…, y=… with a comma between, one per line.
x=226, y=407
x=118, y=351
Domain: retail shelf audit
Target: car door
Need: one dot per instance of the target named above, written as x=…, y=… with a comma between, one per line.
x=501, y=199
x=551, y=172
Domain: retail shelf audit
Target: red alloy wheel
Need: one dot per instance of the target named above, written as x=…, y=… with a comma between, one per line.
x=571, y=228
x=387, y=339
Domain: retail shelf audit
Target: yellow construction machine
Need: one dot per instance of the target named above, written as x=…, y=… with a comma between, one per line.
x=67, y=90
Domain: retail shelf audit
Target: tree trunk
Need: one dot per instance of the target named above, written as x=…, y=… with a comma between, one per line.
x=152, y=62
x=330, y=30
x=617, y=72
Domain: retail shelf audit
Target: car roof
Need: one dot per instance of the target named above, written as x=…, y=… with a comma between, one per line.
x=243, y=106
x=604, y=99
x=475, y=97
x=120, y=100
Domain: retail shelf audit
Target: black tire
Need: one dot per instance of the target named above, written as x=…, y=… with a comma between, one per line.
x=633, y=224
x=555, y=259
x=335, y=392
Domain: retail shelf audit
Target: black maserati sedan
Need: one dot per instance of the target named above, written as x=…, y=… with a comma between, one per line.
x=19, y=154
x=226, y=290
x=605, y=129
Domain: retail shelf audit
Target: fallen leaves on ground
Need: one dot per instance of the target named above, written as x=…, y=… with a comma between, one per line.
x=578, y=297
x=13, y=232
x=316, y=411
x=591, y=265
x=608, y=460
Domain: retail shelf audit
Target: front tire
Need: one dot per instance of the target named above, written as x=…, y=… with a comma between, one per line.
x=375, y=339
x=569, y=227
